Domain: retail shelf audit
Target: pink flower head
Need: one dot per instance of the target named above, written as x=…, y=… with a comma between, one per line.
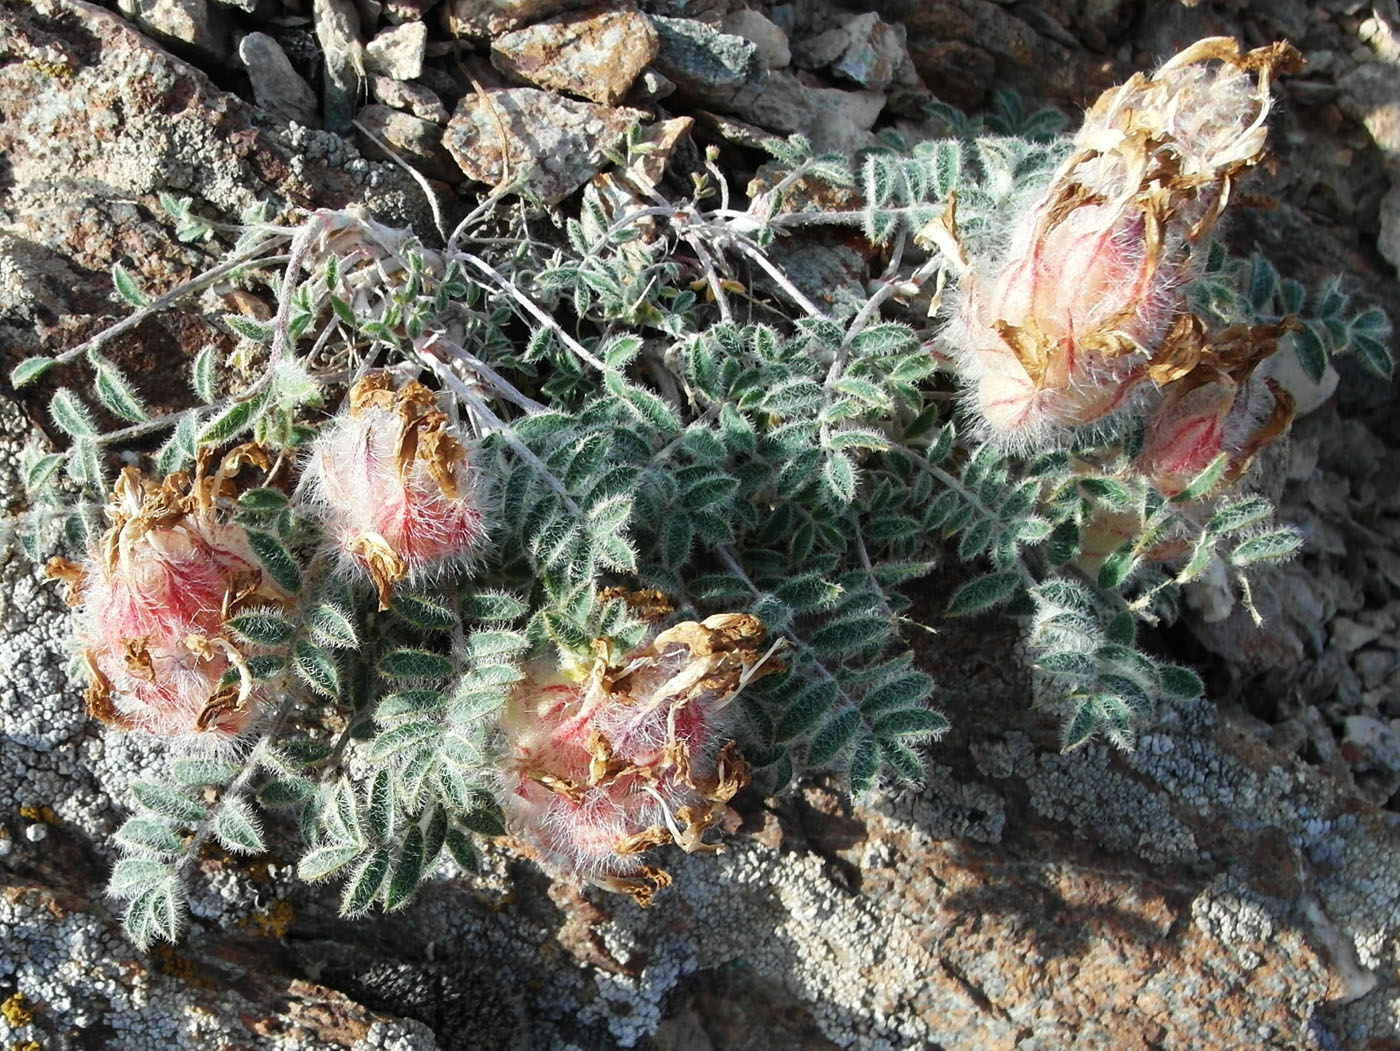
x=153, y=600
x=1085, y=305
x=603, y=769
x=393, y=485
x=1221, y=406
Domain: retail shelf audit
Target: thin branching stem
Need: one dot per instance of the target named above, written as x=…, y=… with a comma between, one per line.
x=170, y=298
x=534, y=310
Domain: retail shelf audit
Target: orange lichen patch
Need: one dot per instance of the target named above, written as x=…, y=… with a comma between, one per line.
x=178, y=965
x=274, y=921
x=16, y=1012
x=625, y=760
x=43, y=813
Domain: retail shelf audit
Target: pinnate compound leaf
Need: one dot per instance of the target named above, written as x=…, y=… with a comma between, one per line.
x=29, y=370
x=115, y=392
x=237, y=829
x=983, y=593
x=146, y=835
x=836, y=735
x=322, y=862
x=1267, y=547
x=317, y=668
x=168, y=802
x=910, y=722
x=70, y=415
x=204, y=770
x=414, y=664
x=864, y=765
x=331, y=627
x=276, y=559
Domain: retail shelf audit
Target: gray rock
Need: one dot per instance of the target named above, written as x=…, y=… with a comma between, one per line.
x=769, y=40
x=596, y=53
x=832, y=118
x=398, y=52
x=1351, y=635
x=553, y=144
x=651, y=86
x=189, y=22
x=417, y=99
x=277, y=87
x=875, y=55
x=1388, y=240
x=338, y=31
x=1371, y=95
x=481, y=19
x=706, y=65
x=417, y=141
x=1374, y=666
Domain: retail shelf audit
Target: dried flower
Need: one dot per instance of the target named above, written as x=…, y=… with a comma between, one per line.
x=154, y=598
x=393, y=485
x=1085, y=306
x=1221, y=406
x=603, y=769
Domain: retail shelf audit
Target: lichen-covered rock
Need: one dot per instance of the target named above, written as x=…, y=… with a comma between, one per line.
x=596, y=53
x=553, y=144
x=277, y=87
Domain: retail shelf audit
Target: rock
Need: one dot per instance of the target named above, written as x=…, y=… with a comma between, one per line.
x=415, y=98
x=651, y=86
x=400, y=11
x=188, y=22
x=1371, y=95
x=1023, y=59
x=277, y=87
x=1351, y=635
x=875, y=56
x=832, y=118
x=481, y=19
x=597, y=53
x=98, y=119
x=865, y=51
x=705, y=64
x=419, y=142
x=770, y=42
x=960, y=74
x=338, y=31
x=1388, y=240
x=398, y=52
x=555, y=144
x=1308, y=394
x=1374, y=666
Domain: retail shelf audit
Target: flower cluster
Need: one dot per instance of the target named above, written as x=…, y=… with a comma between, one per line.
x=393, y=485
x=604, y=768
x=153, y=601
x=1083, y=315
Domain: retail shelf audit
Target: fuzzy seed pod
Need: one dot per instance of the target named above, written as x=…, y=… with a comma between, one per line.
x=1083, y=315
x=153, y=599
x=601, y=770
x=393, y=485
